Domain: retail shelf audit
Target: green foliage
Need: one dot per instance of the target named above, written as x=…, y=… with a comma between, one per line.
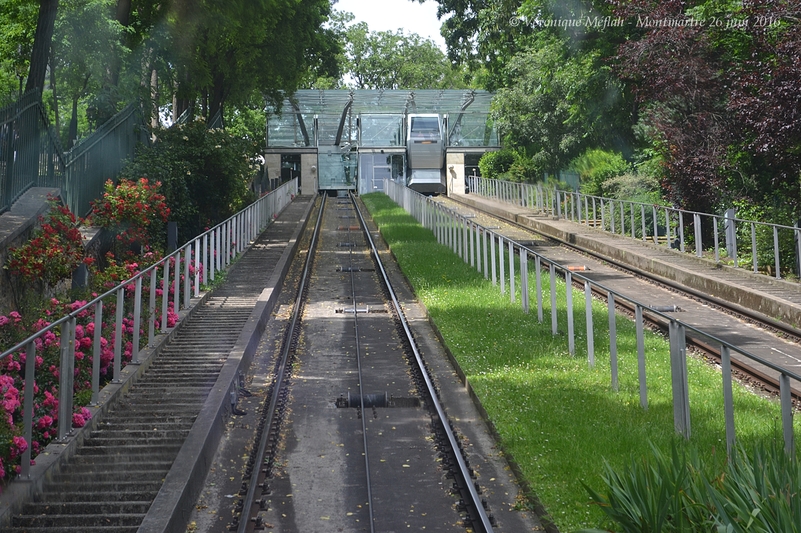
x=396, y=60
x=655, y=495
x=557, y=104
x=204, y=174
x=134, y=213
x=759, y=494
x=596, y=166
x=85, y=42
x=52, y=253
x=661, y=494
x=17, y=27
x=493, y=165
x=776, y=213
x=508, y=164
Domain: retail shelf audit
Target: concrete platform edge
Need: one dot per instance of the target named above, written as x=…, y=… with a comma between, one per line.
x=172, y=507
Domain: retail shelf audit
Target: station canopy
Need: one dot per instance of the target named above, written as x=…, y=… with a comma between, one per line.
x=375, y=118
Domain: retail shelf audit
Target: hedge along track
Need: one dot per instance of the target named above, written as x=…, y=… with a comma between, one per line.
x=364, y=410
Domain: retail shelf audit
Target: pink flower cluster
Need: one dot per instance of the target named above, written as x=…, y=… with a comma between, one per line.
x=47, y=365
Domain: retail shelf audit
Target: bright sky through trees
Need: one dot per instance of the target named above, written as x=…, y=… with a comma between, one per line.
x=391, y=15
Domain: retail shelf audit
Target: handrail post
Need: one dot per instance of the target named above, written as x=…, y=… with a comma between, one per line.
x=610, y=303
x=118, y=334
x=97, y=352
x=137, y=321
x=590, y=332
x=65, y=379
x=165, y=295
x=571, y=337
x=699, y=250
x=554, y=324
x=524, y=296
x=27, y=408
x=728, y=399
x=787, y=413
x=640, y=327
x=679, y=378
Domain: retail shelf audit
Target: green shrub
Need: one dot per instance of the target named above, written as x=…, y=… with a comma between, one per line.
x=660, y=494
x=204, y=173
x=494, y=164
x=595, y=167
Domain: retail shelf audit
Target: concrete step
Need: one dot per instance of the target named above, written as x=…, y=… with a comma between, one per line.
x=78, y=490
x=155, y=441
x=76, y=529
x=141, y=433
x=90, y=478
x=87, y=508
x=78, y=520
x=131, y=449
x=116, y=462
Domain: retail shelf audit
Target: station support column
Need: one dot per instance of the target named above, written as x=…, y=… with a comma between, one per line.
x=454, y=173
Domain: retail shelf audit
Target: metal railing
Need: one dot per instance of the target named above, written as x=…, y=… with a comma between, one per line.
x=140, y=305
x=487, y=251
x=774, y=248
x=30, y=154
x=101, y=156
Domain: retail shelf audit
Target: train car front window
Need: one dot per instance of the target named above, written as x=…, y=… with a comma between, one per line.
x=425, y=125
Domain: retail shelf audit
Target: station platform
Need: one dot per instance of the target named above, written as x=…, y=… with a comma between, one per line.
x=774, y=300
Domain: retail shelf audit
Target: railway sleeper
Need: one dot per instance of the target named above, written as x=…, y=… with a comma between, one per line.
x=354, y=269
x=378, y=399
x=365, y=309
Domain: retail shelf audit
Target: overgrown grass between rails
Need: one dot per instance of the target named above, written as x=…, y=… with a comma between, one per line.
x=558, y=418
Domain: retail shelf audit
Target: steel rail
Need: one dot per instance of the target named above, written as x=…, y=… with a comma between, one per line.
x=361, y=381
x=464, y=470
x=279, y=380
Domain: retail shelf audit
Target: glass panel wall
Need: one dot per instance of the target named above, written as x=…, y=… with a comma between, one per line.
x=285, y=130
x=337, y=169
x=472, y=129
x=381, y=129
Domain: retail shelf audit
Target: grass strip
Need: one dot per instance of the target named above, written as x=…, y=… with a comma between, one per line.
x=557, y=418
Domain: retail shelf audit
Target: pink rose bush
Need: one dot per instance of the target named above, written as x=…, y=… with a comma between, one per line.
x=133, y=212
x=47, y=370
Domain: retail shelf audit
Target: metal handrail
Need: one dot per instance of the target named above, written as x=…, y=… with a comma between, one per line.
x=211, y=252
x=644, y=221
x=472, y=242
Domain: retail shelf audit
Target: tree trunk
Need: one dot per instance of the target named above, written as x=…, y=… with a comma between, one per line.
x=73, y=131
x=154, y=100
x=123, y=16
x=124, y=12
x=41, y=44
x=217, y=97
x=53, y=88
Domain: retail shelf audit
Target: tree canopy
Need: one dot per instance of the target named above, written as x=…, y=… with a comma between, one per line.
x=202, y=54
x=388, y=60
x=705, y=93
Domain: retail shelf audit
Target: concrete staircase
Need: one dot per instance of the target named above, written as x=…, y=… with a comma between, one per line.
x=113, y=478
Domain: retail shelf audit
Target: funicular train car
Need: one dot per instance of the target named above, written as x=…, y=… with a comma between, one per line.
x=425, y=152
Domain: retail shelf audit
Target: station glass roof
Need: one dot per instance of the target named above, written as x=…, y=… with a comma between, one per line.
x=375, y=117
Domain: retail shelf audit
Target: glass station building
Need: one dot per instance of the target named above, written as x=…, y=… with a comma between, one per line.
x=354, y=139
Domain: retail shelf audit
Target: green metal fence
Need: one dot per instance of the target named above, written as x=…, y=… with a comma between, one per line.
x=30, y=154
x=101, y=156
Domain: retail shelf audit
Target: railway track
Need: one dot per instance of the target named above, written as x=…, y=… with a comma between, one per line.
x=353, y=436
x=757, y=376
